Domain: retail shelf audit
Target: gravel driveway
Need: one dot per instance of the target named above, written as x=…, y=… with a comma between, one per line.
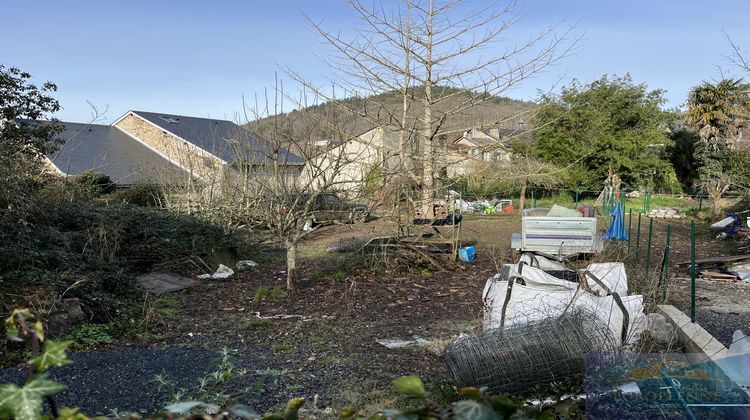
x=100, y=381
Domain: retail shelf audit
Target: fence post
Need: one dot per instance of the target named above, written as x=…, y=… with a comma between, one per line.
x=638, y=238
x=533, y=199
x=692, y=271
x=665, y=269
x=578, y=191
x=630, y=226
x=648, y=248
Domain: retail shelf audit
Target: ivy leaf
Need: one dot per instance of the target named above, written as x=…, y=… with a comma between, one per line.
x=11, y=329
x=291, y=411
x=411, y=386
x=67, y=413
x=54, y=355
x=472, y=410
x=26, y=403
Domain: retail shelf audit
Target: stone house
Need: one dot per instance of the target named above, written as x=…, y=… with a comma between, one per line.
x=166, y=149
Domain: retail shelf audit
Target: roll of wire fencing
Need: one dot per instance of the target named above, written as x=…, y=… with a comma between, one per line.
x=518, y=358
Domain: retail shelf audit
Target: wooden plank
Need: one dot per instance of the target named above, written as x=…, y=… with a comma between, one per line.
x=717, y=260
x=718, y=275
x=432, y=260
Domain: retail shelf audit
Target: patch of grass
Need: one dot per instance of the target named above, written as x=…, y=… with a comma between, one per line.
x=366, y=398
x=261, y=293
x=159, y=310
x=340, y=274
x=277, y=293
x=282, y=347
x=89, y=335
x=258, y=323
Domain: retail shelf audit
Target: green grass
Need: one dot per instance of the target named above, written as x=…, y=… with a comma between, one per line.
x=282, y=347
x=258, y=323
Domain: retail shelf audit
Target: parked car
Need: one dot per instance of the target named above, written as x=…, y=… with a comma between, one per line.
x=321, y=208
x=329, y=208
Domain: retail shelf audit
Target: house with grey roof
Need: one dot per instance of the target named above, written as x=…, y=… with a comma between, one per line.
x=165, y=148
x=108, y=150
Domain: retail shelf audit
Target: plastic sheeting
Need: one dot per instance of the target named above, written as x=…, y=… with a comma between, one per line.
x=617, y=230
x=611, y=274
x=536, y=295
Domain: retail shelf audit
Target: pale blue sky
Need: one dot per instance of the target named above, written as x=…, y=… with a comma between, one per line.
x=199, y=57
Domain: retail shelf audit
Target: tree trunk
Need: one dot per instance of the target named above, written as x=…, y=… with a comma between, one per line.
x=291, y=265
x=522, y=200
x=428, y=153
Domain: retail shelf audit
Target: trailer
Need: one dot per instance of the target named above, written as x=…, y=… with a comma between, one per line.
x=561, y=232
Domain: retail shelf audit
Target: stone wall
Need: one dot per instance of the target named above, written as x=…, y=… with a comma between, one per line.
x=183, y=153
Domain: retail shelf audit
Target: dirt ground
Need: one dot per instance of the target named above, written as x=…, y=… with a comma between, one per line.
x=320, y=342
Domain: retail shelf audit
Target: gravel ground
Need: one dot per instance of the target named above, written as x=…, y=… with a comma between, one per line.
x=100, y=381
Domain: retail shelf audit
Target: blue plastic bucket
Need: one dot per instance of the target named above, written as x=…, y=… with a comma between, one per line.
x=466, y=254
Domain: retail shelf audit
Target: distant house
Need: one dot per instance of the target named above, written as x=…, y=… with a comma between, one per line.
x=165, y=148
x=477, y=146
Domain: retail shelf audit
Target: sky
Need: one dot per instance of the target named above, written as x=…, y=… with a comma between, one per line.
x=199, y=58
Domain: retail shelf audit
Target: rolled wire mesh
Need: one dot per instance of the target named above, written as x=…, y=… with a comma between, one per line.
x=517, y=358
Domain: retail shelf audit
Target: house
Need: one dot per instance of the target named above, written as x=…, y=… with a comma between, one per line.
x=105, y=149
x=347, y=166
x=166, y=148
x=476, y=146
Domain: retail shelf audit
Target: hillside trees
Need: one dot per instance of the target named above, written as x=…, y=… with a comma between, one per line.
x=445, y=58
x=717, y=111
x=23, y=141
x=609, y=122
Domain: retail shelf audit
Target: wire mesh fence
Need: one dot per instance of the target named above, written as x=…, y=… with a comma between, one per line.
x=515, y=359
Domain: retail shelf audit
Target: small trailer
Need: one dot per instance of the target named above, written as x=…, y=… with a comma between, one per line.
x=561, y=232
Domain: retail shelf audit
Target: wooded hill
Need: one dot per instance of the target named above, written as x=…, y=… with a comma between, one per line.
x=332, y=121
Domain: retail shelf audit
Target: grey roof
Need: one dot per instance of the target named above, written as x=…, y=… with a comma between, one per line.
x=108, y=150
x=223, y=139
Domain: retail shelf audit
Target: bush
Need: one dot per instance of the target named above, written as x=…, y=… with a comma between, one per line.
x=142, y=193
x=99, y=183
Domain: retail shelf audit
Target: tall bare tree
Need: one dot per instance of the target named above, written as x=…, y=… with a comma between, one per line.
x=282, y=182
x=446, y=58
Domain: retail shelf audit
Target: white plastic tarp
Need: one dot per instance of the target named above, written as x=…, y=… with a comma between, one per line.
x=544, y=296
x=542, y=262
x=611, y=274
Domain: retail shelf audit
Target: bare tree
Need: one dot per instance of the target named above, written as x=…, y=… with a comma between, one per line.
x=283, y=184
x=446, y=58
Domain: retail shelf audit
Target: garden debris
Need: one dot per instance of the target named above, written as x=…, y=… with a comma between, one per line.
x=741, y=270
x=522, y=294
x=717, y=260
x=728, y=226
x=283, y=316
x=731, y=268
x=245, y=264
x=517, y=358
x=161, y=283
x=666, y=213
x=659, y=328
x=633, y=194
x=402, y=344
x=222, y=273
x=560, y=211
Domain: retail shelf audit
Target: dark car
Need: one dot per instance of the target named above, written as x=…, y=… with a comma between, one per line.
x=329, y=208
